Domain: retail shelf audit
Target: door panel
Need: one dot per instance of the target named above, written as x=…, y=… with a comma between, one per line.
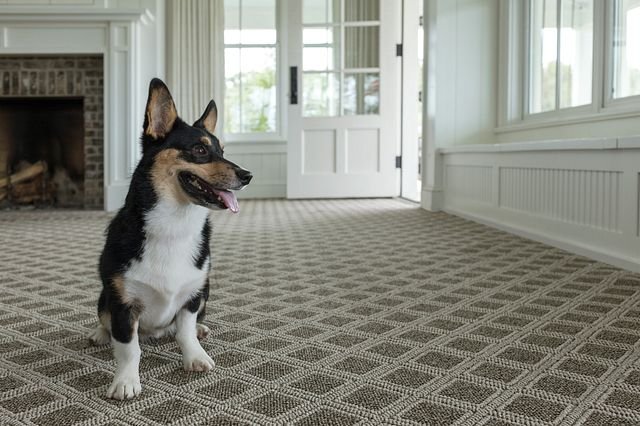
x=343, y=131
x=319, y=147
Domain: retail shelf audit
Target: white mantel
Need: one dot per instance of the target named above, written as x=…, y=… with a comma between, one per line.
x=129, y=35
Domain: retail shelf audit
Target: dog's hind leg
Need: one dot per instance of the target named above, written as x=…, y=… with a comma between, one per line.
x=101, y=335
x=202, y=331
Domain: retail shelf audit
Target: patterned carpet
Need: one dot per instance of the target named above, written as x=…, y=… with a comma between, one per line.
x=335, y=313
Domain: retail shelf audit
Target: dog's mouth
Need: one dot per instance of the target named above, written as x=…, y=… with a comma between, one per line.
x=205, y=194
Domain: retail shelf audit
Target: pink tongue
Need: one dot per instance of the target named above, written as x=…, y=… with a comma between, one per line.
x=229, y=199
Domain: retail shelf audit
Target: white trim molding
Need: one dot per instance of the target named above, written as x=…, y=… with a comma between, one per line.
x=581, y=195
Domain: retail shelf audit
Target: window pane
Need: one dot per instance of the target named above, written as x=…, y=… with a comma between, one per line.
x=320, y=11
x=626, y=48
x=320, y=35
x=321, y=94
x=576, y=53
x=361, y=47
x=250, y=90
x=361, y=94
x=361, y=10
x=544, y=53
x=319, y=58
x=232, y=90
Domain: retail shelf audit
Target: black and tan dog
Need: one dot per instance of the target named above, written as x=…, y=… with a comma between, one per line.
x=155, y=263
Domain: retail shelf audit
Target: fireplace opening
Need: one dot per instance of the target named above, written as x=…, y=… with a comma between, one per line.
x=42, y=155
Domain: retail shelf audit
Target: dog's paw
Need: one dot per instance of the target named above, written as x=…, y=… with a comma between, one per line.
x=198, y=361
x=124, y=388
x=202, y=331
x=99, y=336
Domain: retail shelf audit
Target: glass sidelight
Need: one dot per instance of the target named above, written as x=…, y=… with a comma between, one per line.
x=341, y=57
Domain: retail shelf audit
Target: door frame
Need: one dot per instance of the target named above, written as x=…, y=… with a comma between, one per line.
x=409, y=104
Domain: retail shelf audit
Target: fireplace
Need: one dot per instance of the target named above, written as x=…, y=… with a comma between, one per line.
x=51, y=130
x=103, y=52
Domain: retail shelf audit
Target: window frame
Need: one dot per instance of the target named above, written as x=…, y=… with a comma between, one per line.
x=279, y=134
x=514, y=62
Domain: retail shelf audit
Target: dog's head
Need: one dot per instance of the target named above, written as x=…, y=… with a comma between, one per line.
x=186, y=162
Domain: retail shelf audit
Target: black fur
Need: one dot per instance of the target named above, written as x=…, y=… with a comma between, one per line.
x=204, y=252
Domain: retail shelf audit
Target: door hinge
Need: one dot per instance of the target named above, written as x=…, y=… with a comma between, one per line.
x=398, y=162
x=421, y=21
x=420, y=96
x=398, y=49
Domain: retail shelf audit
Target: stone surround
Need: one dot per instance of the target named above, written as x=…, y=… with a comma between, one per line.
x=66, y=75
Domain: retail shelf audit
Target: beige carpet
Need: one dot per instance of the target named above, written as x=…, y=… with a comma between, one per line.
x=335, y=313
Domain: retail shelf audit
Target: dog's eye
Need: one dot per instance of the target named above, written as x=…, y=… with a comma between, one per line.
x=200, y=150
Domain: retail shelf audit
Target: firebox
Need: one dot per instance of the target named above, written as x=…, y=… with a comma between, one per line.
x=51, y=130
x=48, y=132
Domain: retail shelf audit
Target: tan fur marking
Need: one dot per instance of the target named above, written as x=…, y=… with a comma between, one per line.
x=167, y=165
x=118, y=284
x=105, y=319
x=164, y=175
x=205, y=140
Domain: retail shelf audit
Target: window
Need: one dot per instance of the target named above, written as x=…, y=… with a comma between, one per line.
x=560, y=54
x=626, y=49
x=569, y=61
x=250, y=54
x=340, y=58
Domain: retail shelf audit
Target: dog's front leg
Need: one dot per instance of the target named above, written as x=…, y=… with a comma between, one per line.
x=194, y=357
x=126, y=350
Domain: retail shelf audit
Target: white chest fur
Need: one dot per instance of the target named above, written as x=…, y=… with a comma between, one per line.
x=166, y=277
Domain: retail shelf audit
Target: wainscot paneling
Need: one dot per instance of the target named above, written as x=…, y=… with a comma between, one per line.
x=268, y=163
x=585, y=200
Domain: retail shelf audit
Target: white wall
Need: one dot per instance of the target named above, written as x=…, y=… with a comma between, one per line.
x=466, y=71
x=460, y=81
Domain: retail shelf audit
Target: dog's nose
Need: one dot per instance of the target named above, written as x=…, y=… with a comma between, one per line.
x=245, y=176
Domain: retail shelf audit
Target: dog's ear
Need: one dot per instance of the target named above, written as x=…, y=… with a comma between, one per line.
x=209, y=118
x=161, y=113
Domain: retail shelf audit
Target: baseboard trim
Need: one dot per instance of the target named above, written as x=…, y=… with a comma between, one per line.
x=432, y=199
x=619, y=261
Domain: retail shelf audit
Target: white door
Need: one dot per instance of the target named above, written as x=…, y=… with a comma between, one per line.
x=343, y=132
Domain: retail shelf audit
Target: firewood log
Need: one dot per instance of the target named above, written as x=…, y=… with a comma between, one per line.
x=36, y=169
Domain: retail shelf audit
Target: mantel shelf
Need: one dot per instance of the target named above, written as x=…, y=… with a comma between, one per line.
x=66, y=14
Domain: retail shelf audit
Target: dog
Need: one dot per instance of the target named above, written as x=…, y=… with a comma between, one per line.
x=156, y=260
